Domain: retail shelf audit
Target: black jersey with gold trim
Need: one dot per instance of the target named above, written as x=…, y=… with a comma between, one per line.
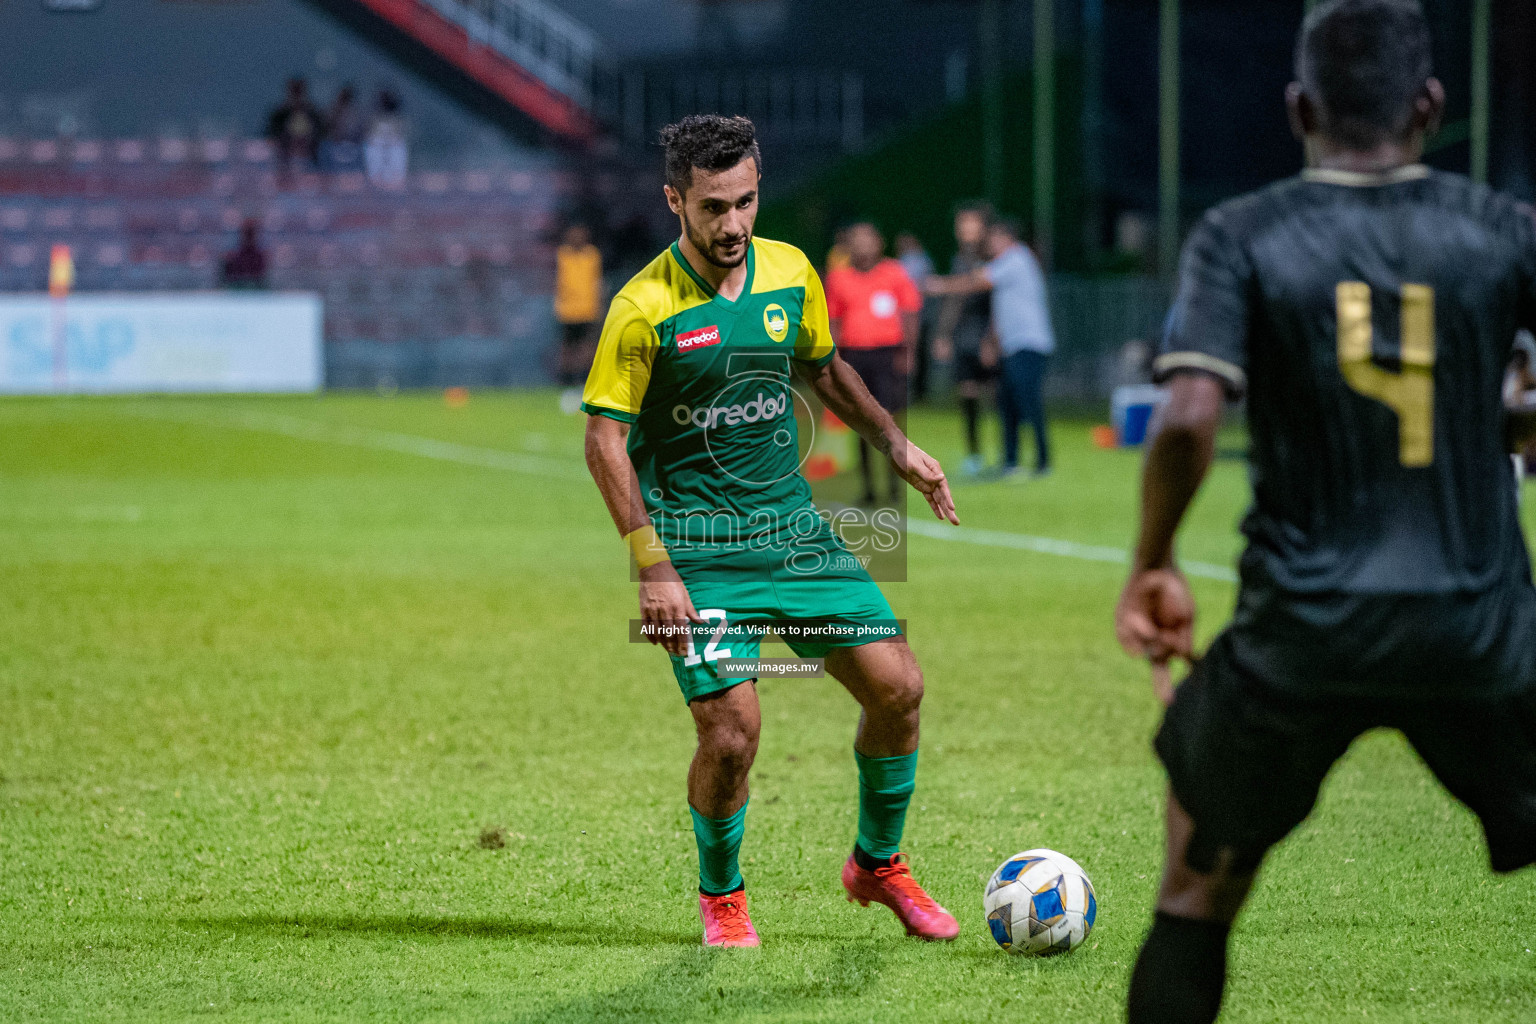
x=1369, y=320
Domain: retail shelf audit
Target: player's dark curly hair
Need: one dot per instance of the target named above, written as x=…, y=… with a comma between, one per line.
x=1365, y=62
x=710, y=142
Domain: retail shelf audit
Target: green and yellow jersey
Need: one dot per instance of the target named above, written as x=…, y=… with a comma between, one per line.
x=706, y=384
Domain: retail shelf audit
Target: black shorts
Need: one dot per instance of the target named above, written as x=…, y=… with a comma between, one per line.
x=969, y=367
x=878, y=367
x=575, y=335
x=1247, y=760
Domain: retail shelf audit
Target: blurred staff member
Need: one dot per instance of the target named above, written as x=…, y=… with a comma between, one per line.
x=246, y=265
x=295, y=126
x=837, y=256
x=345, y=127
x=386, y=156
x=1023, y=322
x=874, y=310
x=915, y=261
x=962, y=334
x=578, y=308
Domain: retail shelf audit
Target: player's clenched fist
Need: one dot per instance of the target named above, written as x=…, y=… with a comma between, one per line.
x=1155, y=618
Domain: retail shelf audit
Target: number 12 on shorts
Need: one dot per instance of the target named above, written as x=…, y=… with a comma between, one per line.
x=1410, y=392
x=712, y=650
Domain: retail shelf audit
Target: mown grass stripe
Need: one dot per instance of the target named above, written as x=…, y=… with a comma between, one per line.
x=495, y=458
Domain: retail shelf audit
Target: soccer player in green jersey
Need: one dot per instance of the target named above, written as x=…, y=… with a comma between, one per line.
x=692, y=440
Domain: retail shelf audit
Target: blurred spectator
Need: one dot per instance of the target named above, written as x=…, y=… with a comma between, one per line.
x=295, y=126
x=385, y=153
x=345, y=128
x=246, y=266
x=874, y=309
x=837, y=256
x=915, y=261
x=963, y=329
x=578, y=308
x=1025, y=339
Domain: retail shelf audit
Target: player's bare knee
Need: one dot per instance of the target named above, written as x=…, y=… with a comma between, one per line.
x=903, y=695
x=731, y=743
x=733, y=752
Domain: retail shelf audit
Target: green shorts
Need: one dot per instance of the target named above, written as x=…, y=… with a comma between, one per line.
x=736, y=589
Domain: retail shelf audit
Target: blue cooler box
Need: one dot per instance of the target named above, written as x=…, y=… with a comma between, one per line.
x=1131, y=409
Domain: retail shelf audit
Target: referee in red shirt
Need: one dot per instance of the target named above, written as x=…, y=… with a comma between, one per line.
x=874, y=308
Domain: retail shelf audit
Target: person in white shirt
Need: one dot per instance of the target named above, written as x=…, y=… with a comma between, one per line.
x=385, y=154
x=1022, y=319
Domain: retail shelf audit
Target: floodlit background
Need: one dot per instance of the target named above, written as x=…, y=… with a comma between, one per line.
x=316, y=695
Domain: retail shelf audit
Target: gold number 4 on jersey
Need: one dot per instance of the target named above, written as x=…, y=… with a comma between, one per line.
x=1411, y=391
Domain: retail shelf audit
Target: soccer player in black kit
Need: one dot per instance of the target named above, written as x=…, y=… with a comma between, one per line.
x=1367, y=310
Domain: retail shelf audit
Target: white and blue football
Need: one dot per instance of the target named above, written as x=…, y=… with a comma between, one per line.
x=1040, y=903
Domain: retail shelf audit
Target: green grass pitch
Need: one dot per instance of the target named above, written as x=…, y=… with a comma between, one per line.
x=308, y=716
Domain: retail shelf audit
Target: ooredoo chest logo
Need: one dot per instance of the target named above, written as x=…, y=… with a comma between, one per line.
x=701, y=338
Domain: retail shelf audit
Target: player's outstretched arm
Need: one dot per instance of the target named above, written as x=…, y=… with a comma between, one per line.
x=665, y=607
x=842, y=390
x=1156, y=614
x=958, y=284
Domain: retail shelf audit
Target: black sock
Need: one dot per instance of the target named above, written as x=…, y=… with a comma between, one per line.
x=706, y=892
x=866, y=473
x=1180, y=973
x=970, y=411
x=867, y=862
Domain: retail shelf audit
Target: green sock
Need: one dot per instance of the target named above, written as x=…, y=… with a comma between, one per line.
x=719, y=841
x=885, y=789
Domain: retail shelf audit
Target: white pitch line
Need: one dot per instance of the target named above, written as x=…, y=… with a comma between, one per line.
x=386, y=440
x=1052, y=546
x=496, y=458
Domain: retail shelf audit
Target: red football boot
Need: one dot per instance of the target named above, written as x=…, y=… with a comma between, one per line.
x=725, y=920
x=894, y=886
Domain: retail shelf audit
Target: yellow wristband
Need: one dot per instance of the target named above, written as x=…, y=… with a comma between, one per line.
x=646, y=546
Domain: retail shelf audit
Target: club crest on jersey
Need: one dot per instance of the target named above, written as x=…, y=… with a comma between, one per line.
x=701, y=338
x=776, y=322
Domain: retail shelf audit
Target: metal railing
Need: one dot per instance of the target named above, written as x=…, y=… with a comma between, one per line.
x=792, y=107
x=560, y=51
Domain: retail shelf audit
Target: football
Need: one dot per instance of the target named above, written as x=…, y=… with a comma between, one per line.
x=1040, y=903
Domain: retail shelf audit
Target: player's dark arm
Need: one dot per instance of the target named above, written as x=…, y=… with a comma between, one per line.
x=1182, y=449
x=842, y=390
x=664, y=600
x=1155, y=617
x=1520, y=410
x=608, y=462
